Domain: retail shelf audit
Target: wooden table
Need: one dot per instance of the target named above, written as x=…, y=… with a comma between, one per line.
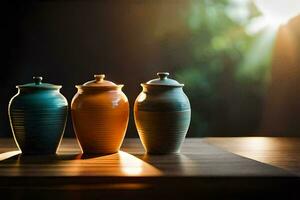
x=247, y=167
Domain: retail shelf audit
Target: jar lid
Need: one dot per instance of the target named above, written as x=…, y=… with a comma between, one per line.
x=164, y=80
x=37, y=84
x=99, y=82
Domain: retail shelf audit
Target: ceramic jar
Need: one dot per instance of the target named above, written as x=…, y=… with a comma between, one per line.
x=38, y=115
x=100, y=112
x=162, y=115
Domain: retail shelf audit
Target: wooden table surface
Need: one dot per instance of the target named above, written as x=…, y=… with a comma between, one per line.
x=207, y=167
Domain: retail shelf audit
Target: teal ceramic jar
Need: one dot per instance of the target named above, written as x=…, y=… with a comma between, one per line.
x=38, y=114
x=162, y=115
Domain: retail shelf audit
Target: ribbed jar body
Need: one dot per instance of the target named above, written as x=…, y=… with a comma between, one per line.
x=100, y=119
x=162, y=116
x=38, y=118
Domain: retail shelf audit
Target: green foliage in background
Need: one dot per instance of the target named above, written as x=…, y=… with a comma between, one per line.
x=227, y=75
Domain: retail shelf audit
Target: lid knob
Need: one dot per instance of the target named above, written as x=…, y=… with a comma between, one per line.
x=163, y=75
x=99, y=77
x=37, y=80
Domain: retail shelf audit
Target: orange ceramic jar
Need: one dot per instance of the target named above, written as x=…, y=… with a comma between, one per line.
x=100, y=113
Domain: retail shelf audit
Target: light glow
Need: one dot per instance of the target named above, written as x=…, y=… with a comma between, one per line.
x=130, y=164
x=277, y=12
x=9, y=154
x=257, y=143
x=133, y=166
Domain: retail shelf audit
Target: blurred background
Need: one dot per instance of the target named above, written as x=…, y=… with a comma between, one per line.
x=239, y=59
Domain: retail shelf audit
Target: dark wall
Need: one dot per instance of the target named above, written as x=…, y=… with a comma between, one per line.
x=67, y=42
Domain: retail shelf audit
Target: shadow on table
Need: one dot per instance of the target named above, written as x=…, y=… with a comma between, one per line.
x=117, y=164
x=170, y=164
x=16, y=156
x=128, y=163
x=12, y=156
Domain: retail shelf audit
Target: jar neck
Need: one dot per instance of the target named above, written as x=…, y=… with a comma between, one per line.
x=154, y=89
x=37, y=90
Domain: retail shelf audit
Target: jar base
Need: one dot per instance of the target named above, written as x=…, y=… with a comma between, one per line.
x=97, y=154
x=162, y=153
x=38, y=153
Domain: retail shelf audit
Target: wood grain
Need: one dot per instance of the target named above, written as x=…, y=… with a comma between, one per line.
x=197, y=159
x=277, y=151
x=200, y=169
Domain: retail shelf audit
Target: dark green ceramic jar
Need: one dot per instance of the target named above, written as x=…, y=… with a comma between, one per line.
x=38, y=115
x=162, y=115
